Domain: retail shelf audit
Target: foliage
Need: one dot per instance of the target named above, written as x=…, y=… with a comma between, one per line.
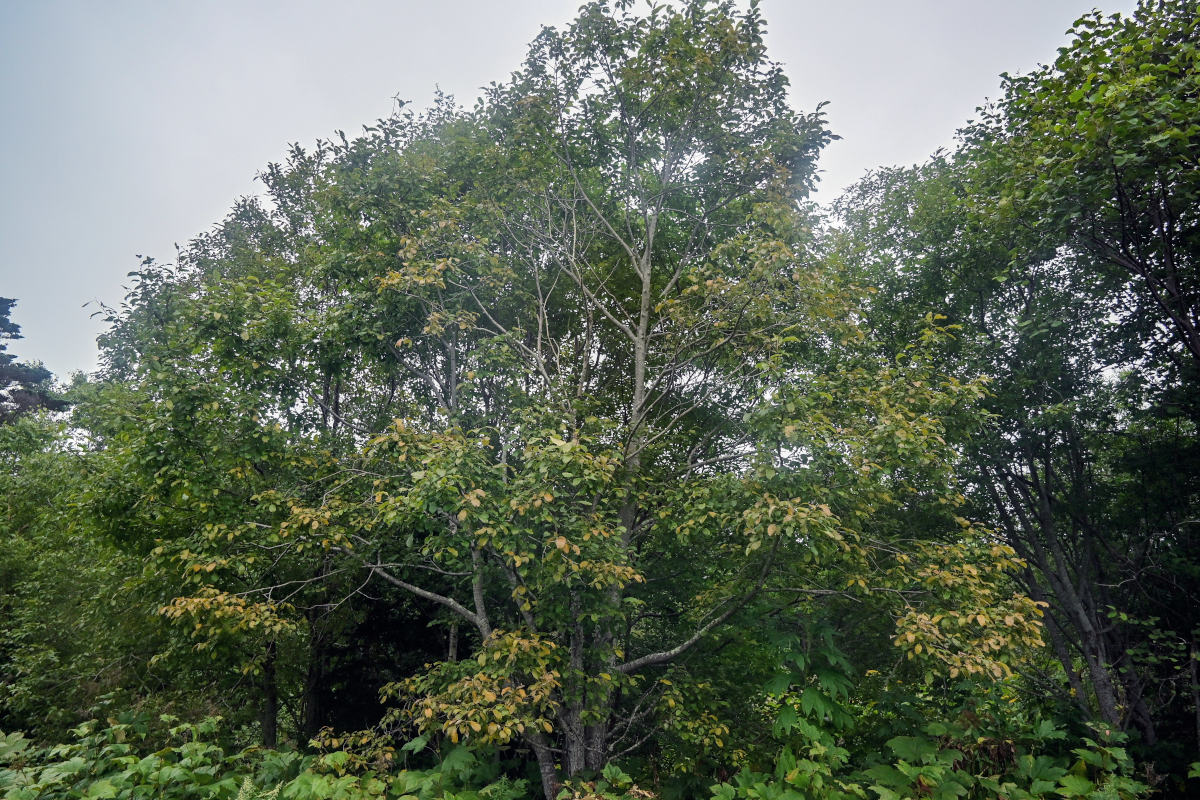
x=23, y=387
x=1098, y=152
x=932, y=765
x=74, y=625
x=118, y=761
x=1049, y=237
x=564, y=371
x=560, y=423
x=123, y=760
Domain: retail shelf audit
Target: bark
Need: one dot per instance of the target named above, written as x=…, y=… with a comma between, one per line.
x=452, y=645
x=596, y=743
x=1058, y=644
x=571, y=717
x=1102, y=685
x=547, y=768
x=574, y=761
x=1027, y=513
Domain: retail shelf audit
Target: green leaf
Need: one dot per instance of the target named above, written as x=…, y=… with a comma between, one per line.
x=1075, y=786
x=913, y=749
x=101, y=788
x=415, y=745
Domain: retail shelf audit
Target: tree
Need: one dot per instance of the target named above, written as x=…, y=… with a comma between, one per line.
x=23, y=387
x=565, y=371
x=75, y=627
x=1099, y=152
x=1096, y=158
x=1060, y=236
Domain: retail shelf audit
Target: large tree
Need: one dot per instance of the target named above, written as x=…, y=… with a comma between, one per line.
x=1099, y=152
x=1061, y=235
x=564, y=372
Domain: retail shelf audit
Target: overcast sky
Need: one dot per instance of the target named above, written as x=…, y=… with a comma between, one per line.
x=131, y=125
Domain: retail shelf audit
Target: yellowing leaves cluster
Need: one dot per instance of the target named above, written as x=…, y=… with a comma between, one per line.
x=961, y=618
x=509, y=688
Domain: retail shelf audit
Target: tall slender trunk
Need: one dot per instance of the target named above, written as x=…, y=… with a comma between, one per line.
x=587, y=745
x=571, y=717
x=1029, y=521
x=1102, y=684
x=547, y=768
x=1059, y=645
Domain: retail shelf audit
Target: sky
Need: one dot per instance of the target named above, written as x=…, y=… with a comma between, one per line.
x=133, y=125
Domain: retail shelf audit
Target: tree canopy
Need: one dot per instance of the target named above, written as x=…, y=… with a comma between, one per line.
x=23, y=387
x=1061, y=236
x=567, y=426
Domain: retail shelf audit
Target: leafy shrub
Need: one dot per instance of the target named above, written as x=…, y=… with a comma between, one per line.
x=942, y=764
x=118, y=761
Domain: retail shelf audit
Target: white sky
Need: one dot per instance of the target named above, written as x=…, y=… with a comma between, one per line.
x=131, y=125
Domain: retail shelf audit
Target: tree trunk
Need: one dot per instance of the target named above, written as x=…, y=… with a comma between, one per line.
x=1030, y=524
x=547, y=768
x=596, y=742
x=571, y=717
x=1102, y=685
x=1055, y=633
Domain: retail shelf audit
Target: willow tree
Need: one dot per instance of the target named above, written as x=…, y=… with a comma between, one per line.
x=629, y=403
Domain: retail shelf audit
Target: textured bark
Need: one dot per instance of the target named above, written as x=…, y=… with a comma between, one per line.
x=547, y=768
